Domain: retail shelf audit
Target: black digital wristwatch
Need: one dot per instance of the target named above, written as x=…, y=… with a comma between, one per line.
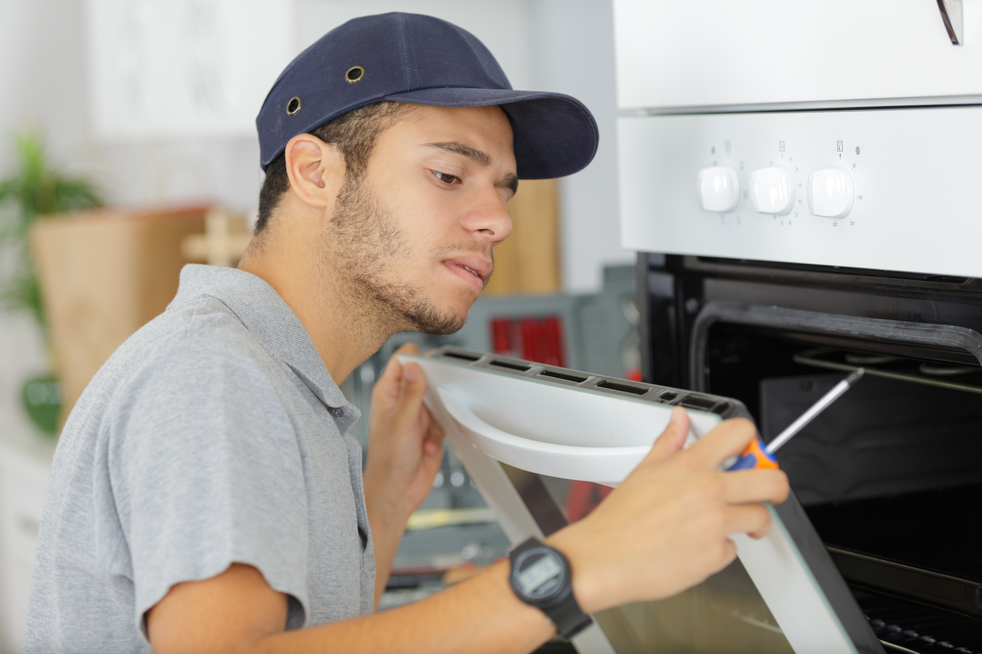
x=541, y=577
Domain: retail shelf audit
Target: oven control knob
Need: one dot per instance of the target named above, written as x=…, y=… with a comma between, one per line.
x=830, y=192
x=719, y=188
x=772, y=190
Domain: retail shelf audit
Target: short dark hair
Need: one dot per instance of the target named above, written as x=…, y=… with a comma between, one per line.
x=353, y=133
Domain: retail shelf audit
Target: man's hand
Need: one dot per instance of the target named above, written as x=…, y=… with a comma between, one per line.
x=666, y=527
x=405, y=450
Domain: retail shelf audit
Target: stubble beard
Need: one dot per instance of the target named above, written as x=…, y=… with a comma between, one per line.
x=368, y=246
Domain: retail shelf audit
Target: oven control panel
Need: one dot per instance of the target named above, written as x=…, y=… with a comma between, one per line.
x=887, y=189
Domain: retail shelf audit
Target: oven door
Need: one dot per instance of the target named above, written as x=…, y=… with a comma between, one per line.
x=536, y=439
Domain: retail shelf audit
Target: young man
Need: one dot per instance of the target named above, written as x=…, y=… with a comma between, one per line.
x=205, y=497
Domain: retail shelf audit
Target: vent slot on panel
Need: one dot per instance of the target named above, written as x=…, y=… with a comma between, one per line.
x=562, y=375
x=462, y=355
x=624, y=388
x=668, y=397
x=511, y=366
x=697, y=402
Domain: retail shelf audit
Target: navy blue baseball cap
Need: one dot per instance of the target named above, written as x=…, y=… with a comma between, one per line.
x=421, y=60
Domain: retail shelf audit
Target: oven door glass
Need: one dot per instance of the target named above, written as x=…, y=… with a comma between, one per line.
x=543, y=450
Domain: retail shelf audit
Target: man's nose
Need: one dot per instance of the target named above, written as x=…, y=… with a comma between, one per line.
x=488, y=217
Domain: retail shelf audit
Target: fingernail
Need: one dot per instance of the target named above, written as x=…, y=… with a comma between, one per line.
x=676, y=414
x=410, y=374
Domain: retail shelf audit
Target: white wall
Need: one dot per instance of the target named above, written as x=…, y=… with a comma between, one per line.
x=573, y=46
x=42, y=84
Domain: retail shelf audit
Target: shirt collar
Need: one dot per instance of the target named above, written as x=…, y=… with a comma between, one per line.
x=273, y=323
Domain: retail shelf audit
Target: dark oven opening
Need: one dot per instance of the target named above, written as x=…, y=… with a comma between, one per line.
x=890, y=475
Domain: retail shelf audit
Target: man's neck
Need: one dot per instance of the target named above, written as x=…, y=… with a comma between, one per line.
x=346, y=329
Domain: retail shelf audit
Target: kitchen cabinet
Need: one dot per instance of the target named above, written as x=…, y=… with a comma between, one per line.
x=184, y=68
x=23, y=479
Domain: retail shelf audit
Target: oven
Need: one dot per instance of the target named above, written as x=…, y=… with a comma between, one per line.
x=800, y=182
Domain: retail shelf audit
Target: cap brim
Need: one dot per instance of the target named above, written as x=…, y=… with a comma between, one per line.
x=555, y=134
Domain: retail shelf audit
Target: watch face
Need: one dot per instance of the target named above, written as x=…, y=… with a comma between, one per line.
x=539, y=574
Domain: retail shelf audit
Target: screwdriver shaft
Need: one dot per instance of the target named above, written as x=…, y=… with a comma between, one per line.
x=815, y=409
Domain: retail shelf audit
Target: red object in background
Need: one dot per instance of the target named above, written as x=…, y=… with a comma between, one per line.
x=501, y=335
x=539, y=340
x=582, y=498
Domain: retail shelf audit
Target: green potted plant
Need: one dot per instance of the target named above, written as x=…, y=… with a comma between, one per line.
x=32, y=189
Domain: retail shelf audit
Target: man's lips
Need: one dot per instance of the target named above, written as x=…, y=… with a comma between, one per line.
x=479, y=267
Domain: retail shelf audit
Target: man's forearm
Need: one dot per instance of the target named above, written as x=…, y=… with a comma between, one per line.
x=479, y=615
x=387, y=531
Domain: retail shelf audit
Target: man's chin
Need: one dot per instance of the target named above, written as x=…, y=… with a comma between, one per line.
x=440, y=326
x=428, y=319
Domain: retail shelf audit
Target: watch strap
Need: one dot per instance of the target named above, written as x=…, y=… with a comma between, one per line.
x=564, y=611
x=569, y=618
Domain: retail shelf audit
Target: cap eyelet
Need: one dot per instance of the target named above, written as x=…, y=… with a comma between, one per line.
x=354, y=75
x=293, y=106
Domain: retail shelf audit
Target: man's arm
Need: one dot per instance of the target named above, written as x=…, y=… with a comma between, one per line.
x=405, y=451
x=663, y=530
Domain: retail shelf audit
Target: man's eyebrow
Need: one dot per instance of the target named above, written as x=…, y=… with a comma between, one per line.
x=459, y=148
x=482, y=158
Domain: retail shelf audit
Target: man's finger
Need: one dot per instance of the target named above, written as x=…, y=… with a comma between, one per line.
x=672, y=439
x=390, y=379
x=411, y=392
x=752, y=519
x=393, y=369
x=764, y=485
x=728, y=439
x=433, y=444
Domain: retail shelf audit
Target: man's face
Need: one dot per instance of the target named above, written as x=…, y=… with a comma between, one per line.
x=416, y=233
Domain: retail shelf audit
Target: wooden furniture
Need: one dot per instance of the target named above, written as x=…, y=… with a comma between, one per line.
x=104, y=274
x=528, y=261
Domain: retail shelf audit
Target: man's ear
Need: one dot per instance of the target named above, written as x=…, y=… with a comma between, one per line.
x=315, y=168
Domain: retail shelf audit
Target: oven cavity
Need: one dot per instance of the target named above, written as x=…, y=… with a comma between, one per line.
x=890, y=475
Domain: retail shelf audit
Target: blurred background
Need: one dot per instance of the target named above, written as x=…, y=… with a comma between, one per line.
x=128, y=148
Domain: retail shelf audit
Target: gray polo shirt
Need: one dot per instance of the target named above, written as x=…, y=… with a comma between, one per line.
x=213, y=435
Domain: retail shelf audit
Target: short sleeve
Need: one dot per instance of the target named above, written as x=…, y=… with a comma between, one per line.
x=206, y=470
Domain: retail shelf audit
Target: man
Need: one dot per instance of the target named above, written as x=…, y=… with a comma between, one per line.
x=205, y=497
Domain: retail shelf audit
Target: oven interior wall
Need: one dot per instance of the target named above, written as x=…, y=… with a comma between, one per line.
x=890, y=475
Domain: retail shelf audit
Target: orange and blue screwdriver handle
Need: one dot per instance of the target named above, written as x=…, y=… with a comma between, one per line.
x=754, y=456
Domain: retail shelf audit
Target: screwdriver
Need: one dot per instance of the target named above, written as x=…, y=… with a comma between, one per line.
x=756, y=456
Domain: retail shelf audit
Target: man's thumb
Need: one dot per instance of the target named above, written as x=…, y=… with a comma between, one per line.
x=673, y=438
x=413, y=386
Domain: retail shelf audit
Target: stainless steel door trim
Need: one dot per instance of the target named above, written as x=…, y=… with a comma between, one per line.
x=898, y=331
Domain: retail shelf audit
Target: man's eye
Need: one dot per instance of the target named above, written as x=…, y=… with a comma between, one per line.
x=446, y=178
